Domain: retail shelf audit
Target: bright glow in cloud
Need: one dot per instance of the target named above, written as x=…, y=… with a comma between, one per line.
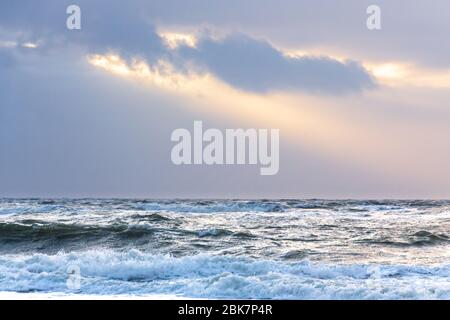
x=30, y=45
x=389, y=71
x=312, y=53
x=162, y=74
x=110, y=63
x=396, y=74
x=403, y=74
x=174, y=40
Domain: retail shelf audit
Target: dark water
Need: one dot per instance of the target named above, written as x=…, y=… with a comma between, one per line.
x=227, y=248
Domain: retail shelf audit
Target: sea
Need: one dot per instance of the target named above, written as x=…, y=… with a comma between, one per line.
x=224, y=249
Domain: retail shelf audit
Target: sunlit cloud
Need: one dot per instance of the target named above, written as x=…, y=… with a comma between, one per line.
x=161, y=74
x=14, y=44
x=409, y=75
x=395, y=74
x=30, y=45
x=313, y=53
x=389, y=71
x=110, y=63
x=174, y=40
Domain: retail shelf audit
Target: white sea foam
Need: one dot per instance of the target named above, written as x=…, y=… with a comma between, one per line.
x=357, y=249
x=213, y=207
x=111, y=273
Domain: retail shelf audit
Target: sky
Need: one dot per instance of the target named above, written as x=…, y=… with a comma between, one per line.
x=89, y=113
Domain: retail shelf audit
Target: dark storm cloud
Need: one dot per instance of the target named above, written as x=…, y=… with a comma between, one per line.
x=241, y=61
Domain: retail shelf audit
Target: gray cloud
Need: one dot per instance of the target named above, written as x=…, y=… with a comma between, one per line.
x=414, y=31
x=242, y=61
x=106, y=26
x=255, y=65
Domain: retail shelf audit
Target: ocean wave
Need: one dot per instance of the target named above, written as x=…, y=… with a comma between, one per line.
x=212, y=206
x=286, y=231
x=35, y=206
x=35, y=231
x=133, y=272
x=417, y=239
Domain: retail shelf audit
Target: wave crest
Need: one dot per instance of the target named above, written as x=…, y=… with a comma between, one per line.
x=110, y=273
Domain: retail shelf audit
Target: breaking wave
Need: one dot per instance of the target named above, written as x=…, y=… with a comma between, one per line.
x=207, y=276
x=268, y=249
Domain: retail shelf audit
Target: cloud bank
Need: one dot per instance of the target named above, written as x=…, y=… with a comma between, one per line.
x=240, y=60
